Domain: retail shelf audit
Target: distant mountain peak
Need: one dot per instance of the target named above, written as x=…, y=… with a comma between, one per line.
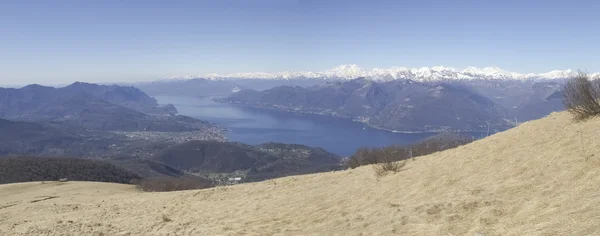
x=422, y=74
x=82, y=86
x=36, y=86
x=350, y=69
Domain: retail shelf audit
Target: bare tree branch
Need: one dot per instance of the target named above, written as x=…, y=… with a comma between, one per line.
x=580, y=97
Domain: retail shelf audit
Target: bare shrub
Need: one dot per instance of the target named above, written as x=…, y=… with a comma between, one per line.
x=389, y=159
x=165, y=184
x=364, y=156
x=371, y=156
x=383, y=168
x=580, y=97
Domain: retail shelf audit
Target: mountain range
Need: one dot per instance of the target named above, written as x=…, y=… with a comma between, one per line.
x=423, y=74
x=414, y=106
x=205, y=87
x=421, y=99
x=517, y=97
x=92, y=106
x=401, y=105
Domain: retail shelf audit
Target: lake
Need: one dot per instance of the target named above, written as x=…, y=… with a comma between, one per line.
x=254, y=126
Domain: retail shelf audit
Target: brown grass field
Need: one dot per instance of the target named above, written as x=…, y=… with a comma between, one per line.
x=541, y=178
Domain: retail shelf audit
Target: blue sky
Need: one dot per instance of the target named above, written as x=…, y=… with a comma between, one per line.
x=54, y=42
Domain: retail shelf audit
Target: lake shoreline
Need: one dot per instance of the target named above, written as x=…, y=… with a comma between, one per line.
x=256, y=125
x=357, y=120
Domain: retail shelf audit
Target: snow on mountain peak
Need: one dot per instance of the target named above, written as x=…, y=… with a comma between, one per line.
x=436, y=73
x=557, y=74
x=349, y=71
x=443, y=68
x=346, y=68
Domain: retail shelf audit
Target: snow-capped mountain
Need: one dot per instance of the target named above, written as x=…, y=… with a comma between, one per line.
x=436, y=73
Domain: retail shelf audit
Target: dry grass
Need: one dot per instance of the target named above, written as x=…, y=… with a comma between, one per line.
x=531, y=180
x=166, y=184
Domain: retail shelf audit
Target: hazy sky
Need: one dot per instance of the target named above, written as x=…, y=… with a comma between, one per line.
x=54, y=42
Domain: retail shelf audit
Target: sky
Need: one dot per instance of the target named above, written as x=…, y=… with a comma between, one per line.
x=58, y=42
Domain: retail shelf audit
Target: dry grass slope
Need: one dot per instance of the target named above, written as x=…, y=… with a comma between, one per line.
x=541, y=178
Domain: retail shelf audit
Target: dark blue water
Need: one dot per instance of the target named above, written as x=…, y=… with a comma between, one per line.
x=254, y=126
